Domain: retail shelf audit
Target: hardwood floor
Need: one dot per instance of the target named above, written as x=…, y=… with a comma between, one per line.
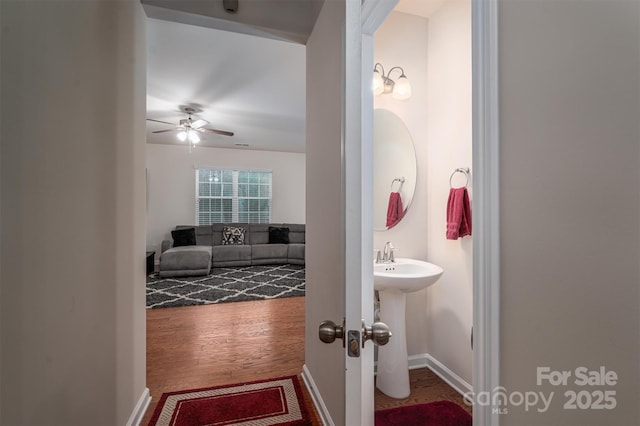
x=200, y=346
x=426, y=386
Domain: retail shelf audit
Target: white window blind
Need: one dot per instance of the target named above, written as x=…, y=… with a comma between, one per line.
x=225, y=196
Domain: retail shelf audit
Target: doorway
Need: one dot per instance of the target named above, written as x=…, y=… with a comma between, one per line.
x=432, y=47
x=234, y=330
x=485, y=183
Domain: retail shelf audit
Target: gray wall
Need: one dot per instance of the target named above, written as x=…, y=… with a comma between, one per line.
x=570, y=188
x=72, y=219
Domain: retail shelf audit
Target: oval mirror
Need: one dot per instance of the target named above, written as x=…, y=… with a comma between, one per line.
x=394, y=169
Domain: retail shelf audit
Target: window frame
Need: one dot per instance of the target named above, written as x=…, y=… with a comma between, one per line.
x=238, y=215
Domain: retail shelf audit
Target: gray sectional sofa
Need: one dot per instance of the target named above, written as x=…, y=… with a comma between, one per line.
x=218, y=245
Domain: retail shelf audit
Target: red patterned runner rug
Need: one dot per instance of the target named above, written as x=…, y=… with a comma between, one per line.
x=262, y=403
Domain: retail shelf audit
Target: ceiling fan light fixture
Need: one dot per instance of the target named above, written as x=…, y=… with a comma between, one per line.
x=193, y=137
x=198, y=123
x=190, y=130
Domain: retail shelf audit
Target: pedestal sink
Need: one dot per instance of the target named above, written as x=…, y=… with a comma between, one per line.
x=393, y=281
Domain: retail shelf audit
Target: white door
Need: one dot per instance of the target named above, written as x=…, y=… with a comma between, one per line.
x=339, y=217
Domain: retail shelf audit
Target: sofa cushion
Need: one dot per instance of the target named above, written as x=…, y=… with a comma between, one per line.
x=216, y=233
x=259, y=233
x=184, y=237
x=203, y=234
x=232, y=235
x=266, y=251
x=278, y=235
x=295, y=252
x=265, y=254
x=186, y=258
x=296, y=233
x=232, y=255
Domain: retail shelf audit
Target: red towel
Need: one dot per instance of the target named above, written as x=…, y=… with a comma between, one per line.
x=394, y=210
x=458, y=214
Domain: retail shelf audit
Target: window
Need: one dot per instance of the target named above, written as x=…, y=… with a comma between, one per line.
x=224, y=196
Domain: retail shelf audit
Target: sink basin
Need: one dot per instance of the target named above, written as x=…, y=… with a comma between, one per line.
x=394, y=281
x=405, y=275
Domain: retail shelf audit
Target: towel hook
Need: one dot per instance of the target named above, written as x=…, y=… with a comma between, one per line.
x=400, y=179
x=463, y=170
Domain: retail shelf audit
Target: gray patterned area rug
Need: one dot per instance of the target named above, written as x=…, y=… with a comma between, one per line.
x=226, y=285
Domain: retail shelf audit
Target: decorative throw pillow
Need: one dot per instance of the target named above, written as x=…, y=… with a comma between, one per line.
x=184, y=237
x=232, y=236
x=278, y=235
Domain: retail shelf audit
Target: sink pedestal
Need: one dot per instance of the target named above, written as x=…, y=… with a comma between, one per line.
x=393, y=366
x=394, y=280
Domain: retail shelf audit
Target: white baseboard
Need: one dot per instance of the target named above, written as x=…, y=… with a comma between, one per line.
x=451, y=378
x=418, y=361
x=325, y=416
x=140, y=409
x=441, y=370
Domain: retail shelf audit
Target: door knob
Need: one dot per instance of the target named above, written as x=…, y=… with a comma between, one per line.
x=329, y=331
x=378, y=333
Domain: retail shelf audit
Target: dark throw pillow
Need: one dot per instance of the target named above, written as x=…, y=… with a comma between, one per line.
x=184, y=237
x=232, y=236
x=278, y=235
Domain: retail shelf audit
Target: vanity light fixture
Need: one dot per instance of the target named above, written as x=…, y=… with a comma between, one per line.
x=400, y=89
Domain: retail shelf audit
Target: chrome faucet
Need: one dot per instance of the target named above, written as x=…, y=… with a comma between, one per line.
x=387, y=253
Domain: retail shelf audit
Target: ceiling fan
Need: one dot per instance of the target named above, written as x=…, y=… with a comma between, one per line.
x=188, y=128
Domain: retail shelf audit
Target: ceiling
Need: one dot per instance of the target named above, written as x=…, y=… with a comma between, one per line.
x=424, y=8
x=242, y=72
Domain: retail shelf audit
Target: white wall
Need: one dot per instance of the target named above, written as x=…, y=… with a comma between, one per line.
x=72, y=276
x=570, y=202
x=450, y=301
x=171, y=184
x=401, y=41
x=436, y=56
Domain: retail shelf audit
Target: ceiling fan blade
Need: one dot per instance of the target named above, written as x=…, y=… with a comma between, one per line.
x=158, y=121
x=199, y=123
x=219, y=132
x=164, y=131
